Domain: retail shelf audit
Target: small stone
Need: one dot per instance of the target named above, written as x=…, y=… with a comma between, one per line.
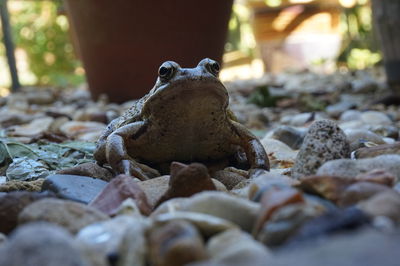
x=187, y=180
x=88, y=169
x=74, y=187
x=375, y=118
x=351, y=168
x=234, y=247
x=272, y=199
x=386, y=204
x=228, y=178
x=174, y=244
x=156, y=187
x=323, y=142
x=358, y=136
x=360, y=191
x=350, y=115
x=379, y=176
x=328, y=187
x=331, y=222
x=237, y=210
x=280, y=155
x=335, y=110
x=289, y=135
x=208, y=225
x=360, y=247
x=11, y=204
x=369, y=152
x=257, y=186
x=284, y=223
x=119, y=189
x=108, y=239
x=41, y=244
x=69, y=214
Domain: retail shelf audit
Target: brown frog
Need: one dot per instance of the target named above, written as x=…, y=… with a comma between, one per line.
x=185, y=117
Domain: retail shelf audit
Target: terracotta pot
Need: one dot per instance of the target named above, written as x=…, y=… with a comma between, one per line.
x=123, y=42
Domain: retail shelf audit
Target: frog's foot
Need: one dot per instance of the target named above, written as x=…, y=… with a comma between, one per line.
x=255, y=172
x=138, y=170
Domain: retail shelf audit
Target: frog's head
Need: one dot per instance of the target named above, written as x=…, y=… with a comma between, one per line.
x=197, y=87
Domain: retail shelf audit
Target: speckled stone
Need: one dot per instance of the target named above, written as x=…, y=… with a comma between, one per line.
x=323, y=142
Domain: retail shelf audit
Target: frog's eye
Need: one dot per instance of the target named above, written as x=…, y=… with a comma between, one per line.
x=166, y=71
x=213, y=67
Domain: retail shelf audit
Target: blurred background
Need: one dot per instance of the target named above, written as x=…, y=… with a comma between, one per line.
x=264, y=36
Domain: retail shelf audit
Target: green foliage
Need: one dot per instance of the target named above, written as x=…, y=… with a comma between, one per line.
x=263, y=98
x=360, y=49
x=43, y=34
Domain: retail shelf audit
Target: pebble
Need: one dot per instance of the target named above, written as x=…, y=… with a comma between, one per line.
x=156, y=187
x=230, y=179
x=69, y=214
x=289, y=135
x=41, y=244
x=360, y=247
x=74, y=187
x=114, y=193
x=375, y=118
x=299, y=120
x=335, y=110
x=370, y=152
x=187, y=180
x=386, y=203
x=323, y=142
x=284, y=223
x=357, y=137
x=118, y=240
x=174, y=244
x=351, y=168
x=349, y=115
x=331, y=222
x=208, y=225
x=237, y=210
x=378, y=176
x=234, y=247
x=11, y=204
x=328, y=187
x=256, y=186
x=273, y=199
x=280, y=155
x=360, y=191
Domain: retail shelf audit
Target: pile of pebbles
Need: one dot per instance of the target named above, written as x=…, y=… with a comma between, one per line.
x=332, y=196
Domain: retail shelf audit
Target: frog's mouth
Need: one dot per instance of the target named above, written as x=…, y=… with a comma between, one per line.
x=196, y=93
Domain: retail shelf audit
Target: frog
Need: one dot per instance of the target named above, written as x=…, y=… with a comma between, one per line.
x=185, y=117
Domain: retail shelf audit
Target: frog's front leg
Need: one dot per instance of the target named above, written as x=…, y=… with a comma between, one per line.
x=255, y=152
x=117, y=155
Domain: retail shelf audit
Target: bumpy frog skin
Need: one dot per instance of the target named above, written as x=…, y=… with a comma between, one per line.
x=185, y=118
